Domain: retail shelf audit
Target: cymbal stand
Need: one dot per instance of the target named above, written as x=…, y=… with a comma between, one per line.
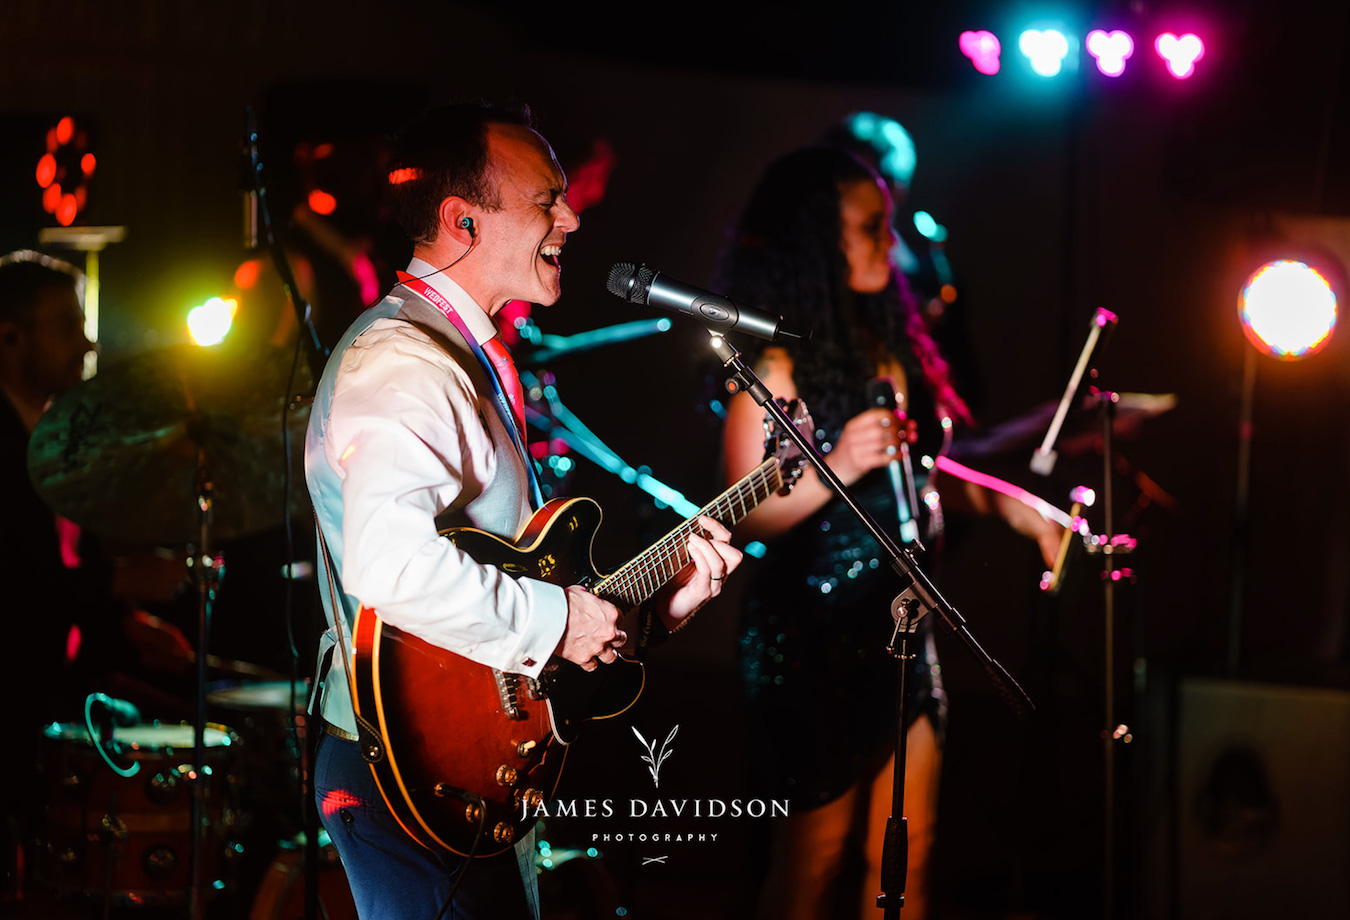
x=207, y=570
x=1109, y=545
x=918, y=598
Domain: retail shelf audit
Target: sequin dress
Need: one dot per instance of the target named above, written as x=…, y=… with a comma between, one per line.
x=820, y=688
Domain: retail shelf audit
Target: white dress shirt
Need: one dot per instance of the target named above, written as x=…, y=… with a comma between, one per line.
x=406, y=438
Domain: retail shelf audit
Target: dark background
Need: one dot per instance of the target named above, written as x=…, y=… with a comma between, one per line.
x=1151, y=197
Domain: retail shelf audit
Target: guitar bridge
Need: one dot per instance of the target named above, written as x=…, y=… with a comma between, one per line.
x=508, y=686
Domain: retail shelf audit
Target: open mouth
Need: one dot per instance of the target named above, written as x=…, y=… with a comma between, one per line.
x=552, y=255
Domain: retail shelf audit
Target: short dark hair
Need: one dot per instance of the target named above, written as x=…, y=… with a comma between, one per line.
x=443, y=152
x=24, y=275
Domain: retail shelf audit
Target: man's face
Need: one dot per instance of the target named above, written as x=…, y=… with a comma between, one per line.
x=52, y=344
x=521, y=243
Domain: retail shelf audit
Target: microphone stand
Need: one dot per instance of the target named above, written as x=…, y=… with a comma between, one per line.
x=1108, y=545
x=918, y=598
x=305, y=738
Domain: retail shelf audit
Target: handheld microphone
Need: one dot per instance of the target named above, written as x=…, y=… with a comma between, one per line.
x=642, y=285
x=124, y=714
x=881, y=394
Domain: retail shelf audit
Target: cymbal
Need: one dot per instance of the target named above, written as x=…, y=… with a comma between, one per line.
x=123, y=453
x=1081, y=432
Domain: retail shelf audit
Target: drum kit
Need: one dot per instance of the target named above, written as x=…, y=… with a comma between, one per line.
x=181, y=447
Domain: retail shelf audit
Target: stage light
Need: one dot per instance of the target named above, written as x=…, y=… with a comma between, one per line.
x=1111, y=49
x=321, y=202
x=63, y=171
x=929, y=227
x=1288, y=310
x=209, y=323
x=1180, y=53
x=983, y=50
x=1046, y=50
x=66, y=210
x=46, y=170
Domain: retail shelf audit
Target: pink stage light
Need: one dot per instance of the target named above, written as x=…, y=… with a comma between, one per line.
x=983, y=50
x=1180, y=53
x=1111, y=49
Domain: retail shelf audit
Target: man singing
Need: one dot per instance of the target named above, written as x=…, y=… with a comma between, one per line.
x=418, y=425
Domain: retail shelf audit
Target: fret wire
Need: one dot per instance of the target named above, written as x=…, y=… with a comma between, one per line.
x=635, y=581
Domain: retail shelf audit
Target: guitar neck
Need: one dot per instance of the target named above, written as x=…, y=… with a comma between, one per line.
x=641, y=577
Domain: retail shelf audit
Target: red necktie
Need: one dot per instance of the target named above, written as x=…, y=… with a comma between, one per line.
x=496, y=350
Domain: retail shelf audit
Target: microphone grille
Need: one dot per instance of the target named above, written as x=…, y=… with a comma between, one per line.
x=630, y=282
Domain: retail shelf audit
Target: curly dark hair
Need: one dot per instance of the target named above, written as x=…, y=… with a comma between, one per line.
x=786, y=257
x=443, y=152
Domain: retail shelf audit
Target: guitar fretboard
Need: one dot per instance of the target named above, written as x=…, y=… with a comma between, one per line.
x=640, y=578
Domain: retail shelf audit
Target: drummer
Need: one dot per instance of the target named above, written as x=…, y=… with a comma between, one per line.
x=65, y=597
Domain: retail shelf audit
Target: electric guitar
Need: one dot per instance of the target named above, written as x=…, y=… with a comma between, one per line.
x=463, y=753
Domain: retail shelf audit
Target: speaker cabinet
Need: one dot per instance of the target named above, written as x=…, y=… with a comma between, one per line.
x=1263, y=801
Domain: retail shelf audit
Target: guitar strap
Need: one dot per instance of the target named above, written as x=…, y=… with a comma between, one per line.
x=368, y=736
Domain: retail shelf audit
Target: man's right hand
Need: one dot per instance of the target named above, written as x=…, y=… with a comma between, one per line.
x=592, y=634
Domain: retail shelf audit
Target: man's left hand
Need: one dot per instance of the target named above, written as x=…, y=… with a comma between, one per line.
x=711, y=560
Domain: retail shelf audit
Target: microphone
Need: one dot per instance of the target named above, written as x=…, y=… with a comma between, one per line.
x=642, y=285
x=881, y=394
x=248, y=181
x=124, y=714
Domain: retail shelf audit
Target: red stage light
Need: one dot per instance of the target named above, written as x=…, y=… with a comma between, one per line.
x=65, y=130
x=321, y=202
x=51, y=198
x=246, y=275
x=87, y=164
x=46, y=170
x=66, y=210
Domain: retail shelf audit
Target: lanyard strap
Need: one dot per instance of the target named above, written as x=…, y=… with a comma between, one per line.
x=501, y=400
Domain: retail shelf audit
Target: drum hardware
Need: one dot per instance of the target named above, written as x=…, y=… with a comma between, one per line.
x=123, y=835
x=176, y=446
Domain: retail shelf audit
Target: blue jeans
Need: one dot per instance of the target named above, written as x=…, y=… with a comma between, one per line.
x=392, y=876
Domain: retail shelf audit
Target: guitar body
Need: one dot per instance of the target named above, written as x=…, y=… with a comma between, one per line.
x=463, y=753
x=464, y=742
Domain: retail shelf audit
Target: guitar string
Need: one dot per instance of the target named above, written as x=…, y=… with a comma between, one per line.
x=679, y=537
x=637, y=573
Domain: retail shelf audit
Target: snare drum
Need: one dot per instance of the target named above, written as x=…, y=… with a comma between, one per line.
x=128, y=837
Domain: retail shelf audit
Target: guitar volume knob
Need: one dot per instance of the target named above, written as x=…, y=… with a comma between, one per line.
x=532, y=798
x=506, y=776
x=503, y=833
